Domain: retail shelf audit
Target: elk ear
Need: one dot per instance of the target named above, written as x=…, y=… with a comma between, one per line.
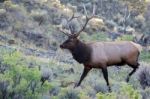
x=78, y=37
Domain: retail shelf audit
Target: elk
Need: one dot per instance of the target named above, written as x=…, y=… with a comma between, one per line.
x=101, y=55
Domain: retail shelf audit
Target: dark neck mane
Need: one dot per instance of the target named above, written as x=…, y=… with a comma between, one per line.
x=81, y=53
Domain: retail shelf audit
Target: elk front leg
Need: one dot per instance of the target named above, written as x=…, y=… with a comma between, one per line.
x=105, y=74
x=85, y=72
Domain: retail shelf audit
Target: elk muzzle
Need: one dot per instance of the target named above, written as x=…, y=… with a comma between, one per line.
x=62, y=46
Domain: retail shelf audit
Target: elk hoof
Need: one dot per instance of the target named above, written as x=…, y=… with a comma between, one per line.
x=109, y=89
x=76, y=85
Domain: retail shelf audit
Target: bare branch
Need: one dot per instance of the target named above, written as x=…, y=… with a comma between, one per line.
x=85, y=11
x=126, y=17
x=94, y=9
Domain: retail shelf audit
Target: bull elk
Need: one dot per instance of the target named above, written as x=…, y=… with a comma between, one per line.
x=101, y=55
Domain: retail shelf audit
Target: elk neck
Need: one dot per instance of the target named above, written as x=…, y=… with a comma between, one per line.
x=81, y=52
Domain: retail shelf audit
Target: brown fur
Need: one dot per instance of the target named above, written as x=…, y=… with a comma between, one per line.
x=103, y=54
x=113, y=53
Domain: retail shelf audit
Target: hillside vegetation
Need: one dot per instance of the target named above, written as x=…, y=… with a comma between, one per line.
x=32, y=66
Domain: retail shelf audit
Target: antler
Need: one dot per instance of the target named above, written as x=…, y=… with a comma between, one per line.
x=87, y=19
x=65, y=32
x=68, y=32
x=73, y=17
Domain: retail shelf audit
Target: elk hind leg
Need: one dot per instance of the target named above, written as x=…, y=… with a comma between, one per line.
x=105, y=74
x=135, y=67
x=134, y=64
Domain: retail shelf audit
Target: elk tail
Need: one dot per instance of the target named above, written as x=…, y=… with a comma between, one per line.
x=138, y=46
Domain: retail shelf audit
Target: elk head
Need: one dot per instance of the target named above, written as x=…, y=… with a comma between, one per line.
x=70, y=43
x=73, y=40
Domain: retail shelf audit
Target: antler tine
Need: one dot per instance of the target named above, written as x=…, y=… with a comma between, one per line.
x=68, y=32
x=85, y=9
x=65, y=32
x=87, y=19
x=72, y=17
x=93, y=12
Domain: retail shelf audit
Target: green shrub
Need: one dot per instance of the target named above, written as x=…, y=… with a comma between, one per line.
x=10, y=6
x=83, y=95
x=145, y=56
x=126, y=92
x=130, y=93
x=145, y=93
x=39, y=16
x=54, y=91
x=125, y=38
x=144, y=76
x=68, y=93
x=21, y=80
x=95, y=37
x=106, y=96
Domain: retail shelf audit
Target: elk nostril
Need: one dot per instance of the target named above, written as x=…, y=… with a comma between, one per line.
x=61, y=46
